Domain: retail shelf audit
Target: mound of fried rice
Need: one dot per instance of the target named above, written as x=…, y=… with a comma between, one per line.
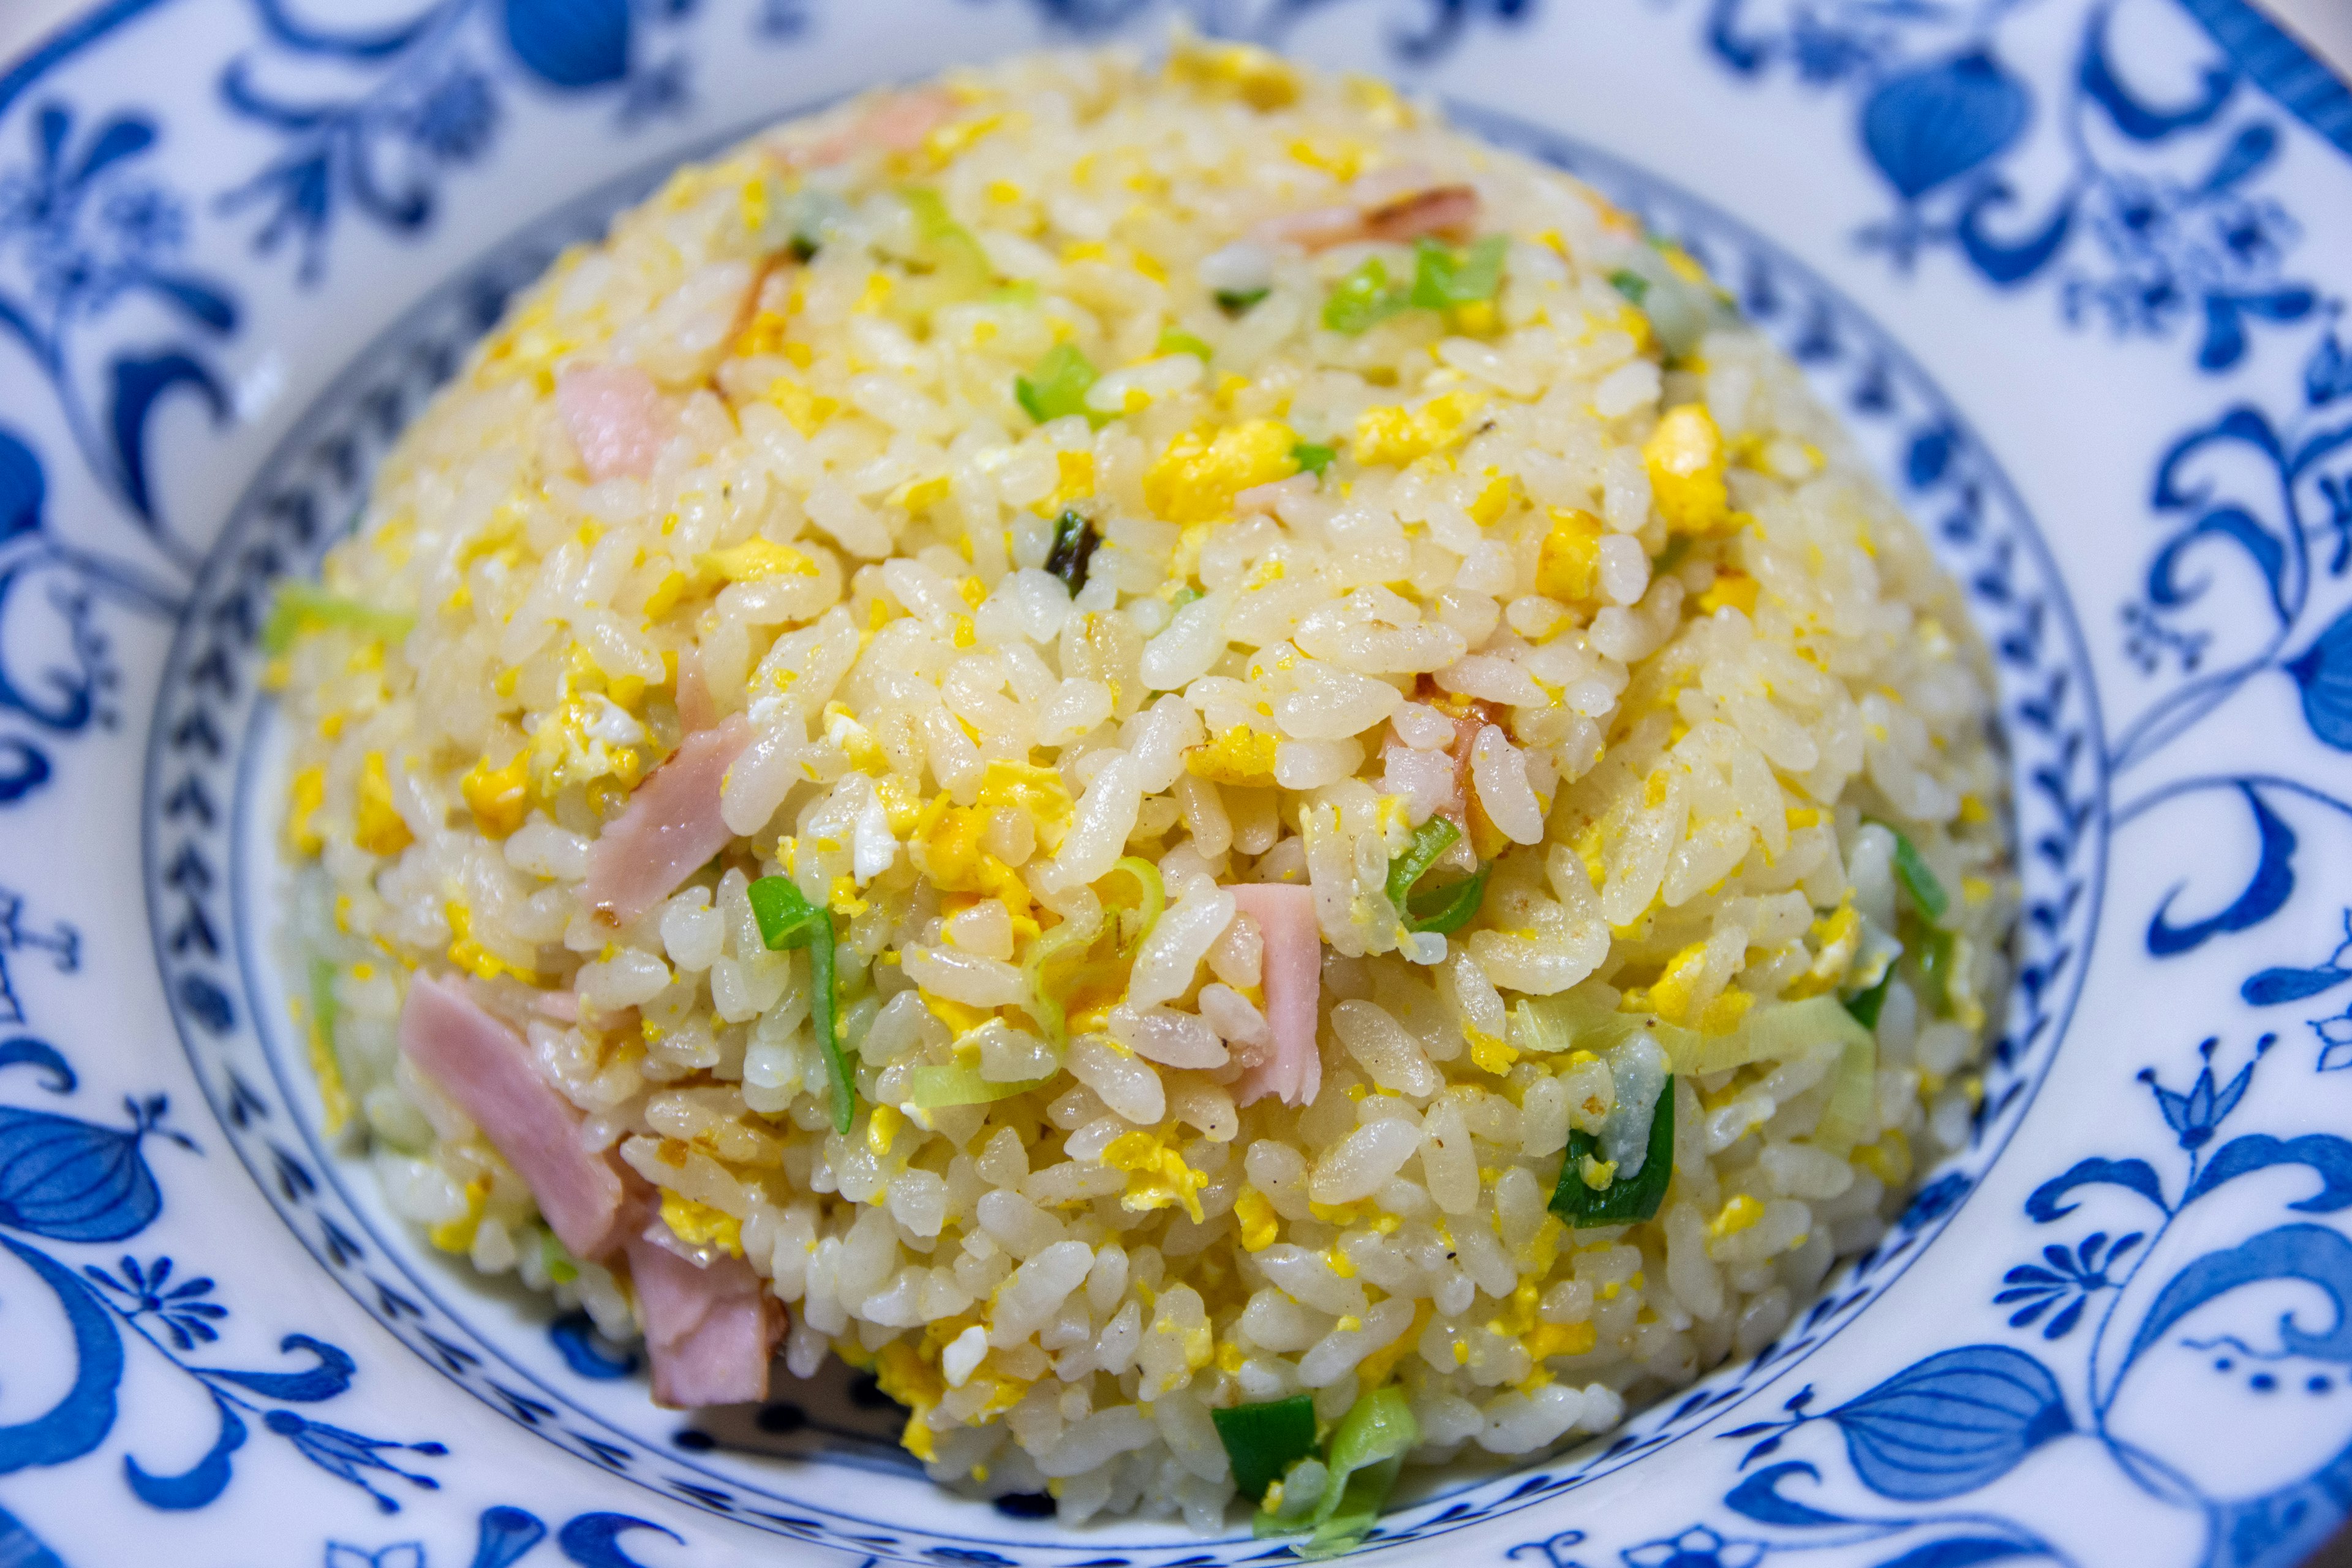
x=1081, y=522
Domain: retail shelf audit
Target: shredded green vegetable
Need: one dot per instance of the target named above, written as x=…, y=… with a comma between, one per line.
x=1044, y=949
x=1584, y=1205
x=1233, y=301
x=1155, y=899
x=1264, y=1440
x=303, y=607
x=561, y=1266
x=1177, y=340
x=787, y=920
x=1056, y=389
x=1072, y=554
x=1364, y=298
x=1367, y=1448
x=1442, y=275
x=1937, y=950
x=322, y=1001
x=960, y=1083
x=1911, y=869
x=1312, y=458
x=1865, y=1005
x=1631, y=284
x=1444, y=909
x=1853, y=1089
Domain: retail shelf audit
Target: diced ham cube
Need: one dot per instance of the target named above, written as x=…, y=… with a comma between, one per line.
x=709, y=1329
x=1292, y=974
x=615, y=417
x=670, y=828
x=487, y=1070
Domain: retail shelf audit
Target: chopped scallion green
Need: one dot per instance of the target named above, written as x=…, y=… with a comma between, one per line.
x=1584, y=1205
x=1631, y=284
x=1056, y=389
x=303, y=607
x=787, y=920
x=1444, y=909
x=1911, y=869
x=1233, y=301
x=1265, y=1439
x=1075, y=540
x=1363, y=298
x=1312, y=458
x=1177, y=340
x=1443, y=277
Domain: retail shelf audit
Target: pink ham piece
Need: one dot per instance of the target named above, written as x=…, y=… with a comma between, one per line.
x=1292, y=976
x=898, y=123
x=710, y=1330
x=615, y=417
x=1448, y=209
x=696, y=710
x=487, y=1070
x=670, y=828
x=1317, y=229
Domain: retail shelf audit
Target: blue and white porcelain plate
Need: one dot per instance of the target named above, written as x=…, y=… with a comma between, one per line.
x=2076, y=271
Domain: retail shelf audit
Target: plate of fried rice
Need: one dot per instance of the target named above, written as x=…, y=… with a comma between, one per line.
x=1144, y=790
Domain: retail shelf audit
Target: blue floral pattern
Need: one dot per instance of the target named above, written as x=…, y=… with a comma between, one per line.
x=2135, y=238
x=2140, y=205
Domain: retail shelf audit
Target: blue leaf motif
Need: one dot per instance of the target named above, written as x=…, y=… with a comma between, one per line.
x=2306, y=1252
x=1952, y=1422
x=1934, y=123
x=592, y=1540
x=22, y=488
x=2048, y=1200
x=508, y=1535
x=24, y=1050
x=2226, y=315
x=80, y=1420
x=1760, y=1498
x=2270, y=987
x=139, y=384
x=570, y=42
x=2005, y=262
x=2265, y=893
x=71, y=1181
x=20, y=1548
x=201, y=1482
x=2324, y=671
x=1962, y=1552
x=324, y=1381
x=2325, y=1156
x=2134, y=118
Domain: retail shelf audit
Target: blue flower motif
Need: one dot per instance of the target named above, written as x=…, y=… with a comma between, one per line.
x=455, y=116
x=186, y=1316
x=2198, y=1114
x=2073, y=1275
x=349, y=1454
x=1698, y=1547
x=2334, y=1033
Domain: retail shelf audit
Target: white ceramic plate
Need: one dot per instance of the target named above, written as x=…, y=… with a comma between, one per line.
x=2073, y=268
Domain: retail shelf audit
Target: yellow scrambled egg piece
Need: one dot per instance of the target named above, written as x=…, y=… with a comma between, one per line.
x=499, y=798
x=1569, y=568
x=304, y=797
x=458, y=1234
x=698, y=1223
x=1196, y=479
x=1685, y=458
x=1240, y=755
x=1037, y=791
x=377, y=826
x=1157, y=1177
x=470, y=956
x=1259, y=1224
x=1392, y=434
x=752, y=561
x=1257, y=77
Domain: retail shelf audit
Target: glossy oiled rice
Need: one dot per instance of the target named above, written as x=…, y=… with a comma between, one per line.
x=1691, y=794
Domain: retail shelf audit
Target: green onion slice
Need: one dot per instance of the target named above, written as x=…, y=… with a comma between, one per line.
x=1312, y=458
x=1233, y=301
x=787, y=920
x=1265, y=1440
x=1363, y=298
x=1911, y=869
x=1442, y=275
x=303, y=607
x=1177, y=340
x=1585, y=1206
x=1444, y=909
x=1056, y=389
